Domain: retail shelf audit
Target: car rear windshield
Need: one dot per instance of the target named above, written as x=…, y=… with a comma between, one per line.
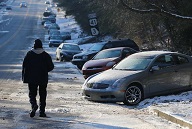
x=70, y=47
x=96, y=47
x=56, y=37
x=107, y=54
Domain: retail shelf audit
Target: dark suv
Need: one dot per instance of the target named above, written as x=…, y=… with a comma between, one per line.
x=81, y=58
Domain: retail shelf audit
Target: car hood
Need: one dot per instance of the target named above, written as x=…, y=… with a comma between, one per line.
x=86, y=53
x=110, y=76
x=101, y=62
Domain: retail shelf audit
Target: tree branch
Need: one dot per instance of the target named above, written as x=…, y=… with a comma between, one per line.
x=156, y=9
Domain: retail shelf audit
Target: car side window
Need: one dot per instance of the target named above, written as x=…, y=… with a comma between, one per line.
x=126, y=53
x=108, y=46
x=164, y=61
x=182, y=60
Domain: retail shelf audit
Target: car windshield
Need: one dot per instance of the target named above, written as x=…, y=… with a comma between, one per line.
x=70, y=47
x=48, y=22
x=96, y=47
x=53, y=27
x=56, y=37
x=56, y=32
x=107, y=54
x=134, y=63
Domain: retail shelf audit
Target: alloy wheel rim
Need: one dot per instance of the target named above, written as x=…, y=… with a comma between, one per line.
x=133, y=95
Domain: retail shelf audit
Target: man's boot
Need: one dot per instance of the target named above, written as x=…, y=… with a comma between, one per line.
x=34, y=109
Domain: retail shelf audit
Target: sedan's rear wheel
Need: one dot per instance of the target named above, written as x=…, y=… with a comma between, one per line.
x=133, y=95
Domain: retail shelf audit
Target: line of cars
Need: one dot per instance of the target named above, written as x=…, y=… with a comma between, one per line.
x=116, y=71
x=49, y=22
x=64, y=51
x=123, y=74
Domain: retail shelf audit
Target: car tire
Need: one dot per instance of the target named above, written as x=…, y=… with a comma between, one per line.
x=133, y=95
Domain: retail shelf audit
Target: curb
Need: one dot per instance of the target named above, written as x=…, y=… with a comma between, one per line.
x=173, y=119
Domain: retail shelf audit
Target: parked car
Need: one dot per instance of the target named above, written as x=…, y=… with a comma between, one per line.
x=8, y=7
x=48, y=8
x=53, y=26
x=66, y=35
x=65, y=51
x=55, y=41
x=49, y=13
x=47, y=2
x=54, y=32
x=53, y=5
x=2, y=4
x=47, y=24
x=52, y=19
x=87, y=39
x=81, y=58
x=105, y=59
x=23, y=4
x=139, y=76
x=83, y=40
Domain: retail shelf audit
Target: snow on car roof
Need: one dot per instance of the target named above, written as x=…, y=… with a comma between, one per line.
x=153, y=53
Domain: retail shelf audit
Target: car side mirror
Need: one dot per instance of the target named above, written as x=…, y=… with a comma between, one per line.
x=154, y=68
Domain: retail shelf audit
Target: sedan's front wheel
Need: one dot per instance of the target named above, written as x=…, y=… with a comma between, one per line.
x=133, y=95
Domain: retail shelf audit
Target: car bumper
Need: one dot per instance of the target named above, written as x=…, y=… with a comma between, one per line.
x=103, y=95
x=78, y=62
x=87, y=73
x=67, y=57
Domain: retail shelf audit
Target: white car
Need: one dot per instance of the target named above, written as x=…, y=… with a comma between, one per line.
x=66, y=51
x=23, y=4
x=47, y=24
x=47, y=2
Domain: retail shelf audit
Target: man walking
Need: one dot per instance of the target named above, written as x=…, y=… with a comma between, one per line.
x=36, y=65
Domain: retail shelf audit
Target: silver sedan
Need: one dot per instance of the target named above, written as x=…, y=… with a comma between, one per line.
x=139, y=76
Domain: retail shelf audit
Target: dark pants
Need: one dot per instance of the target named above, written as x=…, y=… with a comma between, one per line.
x=33, y=88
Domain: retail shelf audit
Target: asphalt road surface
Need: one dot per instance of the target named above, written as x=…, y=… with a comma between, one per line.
x=66, y=109
x=18, y=29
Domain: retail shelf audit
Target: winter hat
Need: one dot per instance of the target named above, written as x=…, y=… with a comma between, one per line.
x=38, y=44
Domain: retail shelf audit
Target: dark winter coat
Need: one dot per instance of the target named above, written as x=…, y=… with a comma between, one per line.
x=36, y=65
